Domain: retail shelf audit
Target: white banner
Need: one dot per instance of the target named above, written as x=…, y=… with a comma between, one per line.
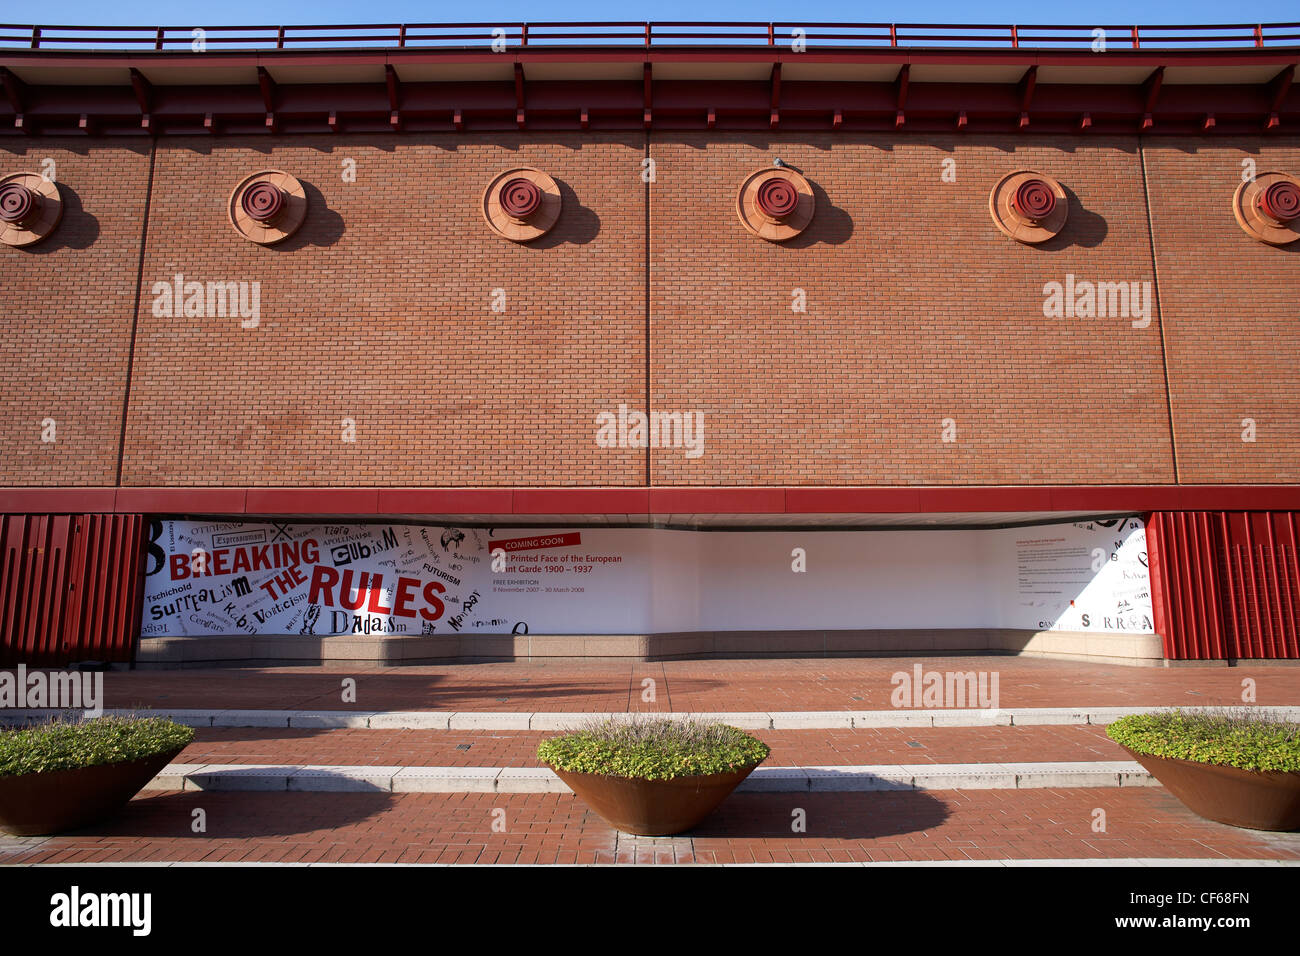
x=230, y=578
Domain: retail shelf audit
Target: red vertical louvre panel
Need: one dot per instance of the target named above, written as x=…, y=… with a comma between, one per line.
x=1212, y=592
x=1291, y=574
x=1192, y=620
x=1276, y=609
x=1160, y=584
x=104, y=587
x=1226, y=584
x=1259, y=627
x=1185, y=585
x=70, y=588
x=31, y=587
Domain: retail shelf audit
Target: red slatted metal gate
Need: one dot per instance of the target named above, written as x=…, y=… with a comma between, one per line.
x=1225, y=584
x=70, y=588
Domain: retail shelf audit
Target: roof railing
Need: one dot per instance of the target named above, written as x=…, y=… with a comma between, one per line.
x=625, y=34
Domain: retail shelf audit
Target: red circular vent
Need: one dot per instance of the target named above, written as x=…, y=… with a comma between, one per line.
x=19, y=206
x=263, y=201
x=520, y=198
x=777, y=198
x=1034, y=199
x=1281, y=201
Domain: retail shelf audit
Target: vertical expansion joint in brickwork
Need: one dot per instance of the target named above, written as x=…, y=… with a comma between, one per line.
x=135, y=312
x=1159, y=314
x=649, y=475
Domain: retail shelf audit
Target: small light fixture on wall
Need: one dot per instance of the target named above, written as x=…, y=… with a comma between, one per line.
x=30, y=208
x=267, y=207
x=522, y=204
x=1029, y=207
x=776, y=203
x=1268, y=208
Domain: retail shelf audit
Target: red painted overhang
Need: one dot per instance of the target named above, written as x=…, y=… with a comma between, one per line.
x=650, y=505
x=1003, y=88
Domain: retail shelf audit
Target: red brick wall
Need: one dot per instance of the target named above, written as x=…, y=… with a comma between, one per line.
x=379, y=310
x=918, y=310
x=66, y=305
x=1232, y=312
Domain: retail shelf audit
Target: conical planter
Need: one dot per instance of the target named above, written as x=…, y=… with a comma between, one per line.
x=35, y=804
x=1254, y=799
x=654, y=807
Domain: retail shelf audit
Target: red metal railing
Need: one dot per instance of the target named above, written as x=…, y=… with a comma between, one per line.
x=1226, y=584
x=623, y=34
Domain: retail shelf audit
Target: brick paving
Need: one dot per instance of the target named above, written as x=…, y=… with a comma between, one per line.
x=454, y=748
x=748, y=828
x=813, y=684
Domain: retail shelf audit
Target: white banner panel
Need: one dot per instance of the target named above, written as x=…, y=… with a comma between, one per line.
x=213, y=578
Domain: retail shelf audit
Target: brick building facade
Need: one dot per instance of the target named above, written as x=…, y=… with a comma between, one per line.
x=896, y=363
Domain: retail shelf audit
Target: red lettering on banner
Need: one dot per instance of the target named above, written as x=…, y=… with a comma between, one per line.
x=219, y=561
x=180, y=566
x=322, y=586
x=376, y=605
x=241, y=561
x=345, y=594
x=406, y=588
x=260, y=560
x=432, y=601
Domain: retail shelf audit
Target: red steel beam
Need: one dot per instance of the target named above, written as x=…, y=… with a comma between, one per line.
x=1100, y=499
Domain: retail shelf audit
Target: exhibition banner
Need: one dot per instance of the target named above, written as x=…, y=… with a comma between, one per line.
x=284, y=578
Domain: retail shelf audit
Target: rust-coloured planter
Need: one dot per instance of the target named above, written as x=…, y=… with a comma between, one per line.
x=654, y=807
x=41, y=803
x=1255, y=799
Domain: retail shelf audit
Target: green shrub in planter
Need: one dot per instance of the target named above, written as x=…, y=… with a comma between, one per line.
x=66, y=774
x=657, y=749
x=70, y=745
x=1248, y=740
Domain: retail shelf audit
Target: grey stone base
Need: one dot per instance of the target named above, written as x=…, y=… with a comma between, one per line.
x=381, y=651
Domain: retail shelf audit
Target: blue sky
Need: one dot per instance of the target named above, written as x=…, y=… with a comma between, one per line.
x=170, y=12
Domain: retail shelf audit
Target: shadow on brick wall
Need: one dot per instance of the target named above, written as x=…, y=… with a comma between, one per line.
x=1084, y=228
x=830, y=226
x=578, y=224
x=77, y=229
x=323, y=226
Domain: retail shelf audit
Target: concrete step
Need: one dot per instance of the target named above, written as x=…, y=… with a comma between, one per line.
x=553, y=721
x=825, y=779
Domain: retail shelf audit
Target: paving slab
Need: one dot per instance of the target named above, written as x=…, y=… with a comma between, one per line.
x=529, y=780
x=445, y=780
x=329, y=719
x=961, y=776
x=342, y=779
x=240, y=777
x=409, y=720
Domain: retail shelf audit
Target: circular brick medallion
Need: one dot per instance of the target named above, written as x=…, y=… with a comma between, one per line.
x=775, y=204
x=1029, y=207
x=267, y=207
x=30, y=208
x=521, y=204
x=1268, y=209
